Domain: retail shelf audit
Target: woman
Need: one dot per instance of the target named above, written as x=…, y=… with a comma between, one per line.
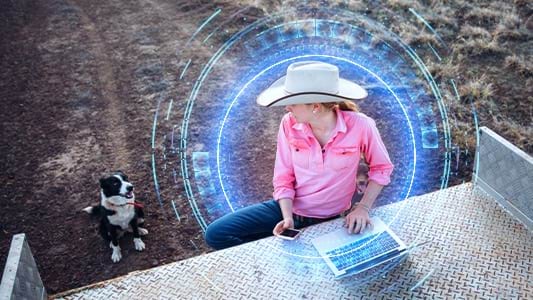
x=319, y=144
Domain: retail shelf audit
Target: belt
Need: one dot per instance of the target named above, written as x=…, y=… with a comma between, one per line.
x=304, y=219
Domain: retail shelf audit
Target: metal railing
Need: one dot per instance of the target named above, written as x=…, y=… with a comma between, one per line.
x=505, y=172
x=21, y=279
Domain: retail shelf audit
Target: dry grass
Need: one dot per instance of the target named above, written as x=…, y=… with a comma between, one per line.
x=422, y=38
x=442, y=17
x=404, y=4
x=487, y=52
x=468, y=31
x=502, y=33
x=463, y=135
x=477, y=90
x=511, y=20
x=475, y=46
x=519, y=64
x=444, y=69
x=519, y=134
x=522, y=3
x=413, y=35
x=477, y=36
x=511, y=27
x=475, y=40
x=483, y=16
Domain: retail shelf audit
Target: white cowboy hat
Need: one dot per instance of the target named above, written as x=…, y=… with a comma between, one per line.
x=310, y=82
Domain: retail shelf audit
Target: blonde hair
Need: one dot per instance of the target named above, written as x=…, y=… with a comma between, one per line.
x=345, y=105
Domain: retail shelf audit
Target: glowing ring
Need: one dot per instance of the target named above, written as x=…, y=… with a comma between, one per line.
x=306, y=56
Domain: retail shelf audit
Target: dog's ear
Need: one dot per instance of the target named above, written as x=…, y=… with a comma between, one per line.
x=122, y=174
x=103, y=182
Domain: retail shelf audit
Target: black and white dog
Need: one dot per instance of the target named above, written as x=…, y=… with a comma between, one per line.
x=118, y=211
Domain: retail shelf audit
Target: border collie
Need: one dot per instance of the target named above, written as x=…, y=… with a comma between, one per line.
x=118, y=212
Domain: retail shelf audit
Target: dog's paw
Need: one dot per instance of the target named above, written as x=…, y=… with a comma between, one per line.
x=116, y=256
x=88, y=209
x=143, y=231
x=139, y=244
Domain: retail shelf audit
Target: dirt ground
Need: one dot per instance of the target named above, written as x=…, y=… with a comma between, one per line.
x=81, y=80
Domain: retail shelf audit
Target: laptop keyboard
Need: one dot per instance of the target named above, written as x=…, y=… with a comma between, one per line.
x=345, y=256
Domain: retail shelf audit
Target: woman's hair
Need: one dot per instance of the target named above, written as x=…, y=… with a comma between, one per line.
x=343, y=105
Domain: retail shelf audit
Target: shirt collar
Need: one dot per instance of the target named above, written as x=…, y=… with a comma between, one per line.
x=341, y=123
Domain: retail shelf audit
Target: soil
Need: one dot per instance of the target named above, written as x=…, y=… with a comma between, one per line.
x=73, y=110
x=80, y=84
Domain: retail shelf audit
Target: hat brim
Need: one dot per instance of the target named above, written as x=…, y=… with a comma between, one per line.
x=276, y=95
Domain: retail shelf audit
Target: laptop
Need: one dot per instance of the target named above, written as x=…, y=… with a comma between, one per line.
x=348, y=254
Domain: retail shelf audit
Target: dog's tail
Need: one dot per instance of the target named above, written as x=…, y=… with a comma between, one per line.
x=95, y=210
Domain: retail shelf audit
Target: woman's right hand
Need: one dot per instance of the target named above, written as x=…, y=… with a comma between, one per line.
x=282, y=225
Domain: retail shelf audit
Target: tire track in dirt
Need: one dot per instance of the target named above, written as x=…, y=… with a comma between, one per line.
x=55, y=146
x=161, y=48
x=142, y=41
x=114, y=124
x=102, y=67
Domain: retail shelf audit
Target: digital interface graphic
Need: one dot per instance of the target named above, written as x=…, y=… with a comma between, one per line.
x=220, y=144
x=165, y=92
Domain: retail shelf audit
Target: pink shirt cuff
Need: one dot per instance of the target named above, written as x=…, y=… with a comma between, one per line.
x=380, y=176
x=283, y=193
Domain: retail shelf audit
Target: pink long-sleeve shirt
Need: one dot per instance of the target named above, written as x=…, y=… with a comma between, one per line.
x=321, y=180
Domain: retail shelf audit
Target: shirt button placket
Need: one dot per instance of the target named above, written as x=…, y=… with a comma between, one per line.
x=323, y=160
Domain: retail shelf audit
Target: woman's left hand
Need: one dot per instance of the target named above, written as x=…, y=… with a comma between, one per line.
x=357, y=220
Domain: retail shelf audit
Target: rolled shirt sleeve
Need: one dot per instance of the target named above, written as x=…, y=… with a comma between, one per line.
x=283, y=179
x=380, y=165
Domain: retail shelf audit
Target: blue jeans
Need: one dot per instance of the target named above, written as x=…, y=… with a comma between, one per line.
x=249, y=224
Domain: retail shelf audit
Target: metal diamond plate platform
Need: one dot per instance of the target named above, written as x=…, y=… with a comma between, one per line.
x=478, y=251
